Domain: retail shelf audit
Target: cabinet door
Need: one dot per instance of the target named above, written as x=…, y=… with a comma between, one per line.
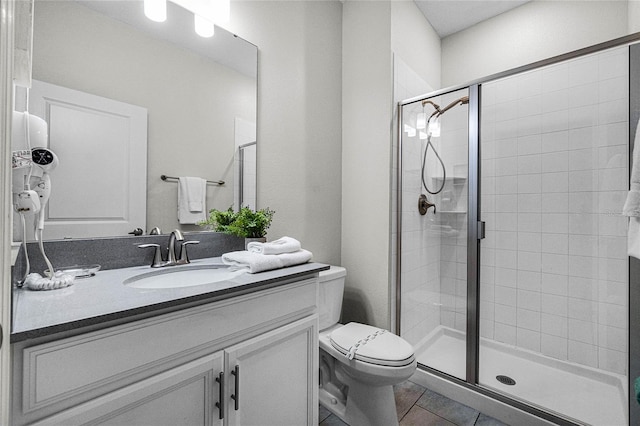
x=186, y=395
x=272, y=378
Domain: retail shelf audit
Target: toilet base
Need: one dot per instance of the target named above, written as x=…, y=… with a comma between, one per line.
x=365, y=405
x=332, y=403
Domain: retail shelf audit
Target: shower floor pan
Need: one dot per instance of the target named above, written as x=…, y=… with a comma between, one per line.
x=586, y=394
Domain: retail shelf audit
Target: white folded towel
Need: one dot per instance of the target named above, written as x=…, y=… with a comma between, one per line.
x=632, y=204
x=279, y=246
x=192, y=194
x=265, y=262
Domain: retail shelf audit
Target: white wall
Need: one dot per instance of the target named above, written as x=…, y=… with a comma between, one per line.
x=532, y=32
x=373, y=33
x=299, y=117
x=415, y=41
x=634, y=16
x=366, y=155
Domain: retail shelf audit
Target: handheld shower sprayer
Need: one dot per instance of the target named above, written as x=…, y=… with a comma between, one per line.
x=435, y=132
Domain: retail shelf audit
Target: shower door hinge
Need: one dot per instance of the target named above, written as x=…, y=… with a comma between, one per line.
x=480, y=230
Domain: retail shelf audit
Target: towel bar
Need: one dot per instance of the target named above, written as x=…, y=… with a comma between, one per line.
x=209, y=182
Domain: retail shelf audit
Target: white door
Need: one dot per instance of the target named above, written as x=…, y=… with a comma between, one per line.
x=275, y=380
x=99, y=186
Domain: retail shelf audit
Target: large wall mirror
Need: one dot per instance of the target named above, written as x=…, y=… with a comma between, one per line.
x=192, y=99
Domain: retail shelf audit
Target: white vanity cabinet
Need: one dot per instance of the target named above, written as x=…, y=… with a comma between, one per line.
x=270, y=379
x=247, y=360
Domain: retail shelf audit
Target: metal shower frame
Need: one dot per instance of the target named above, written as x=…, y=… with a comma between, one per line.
x=475, y=231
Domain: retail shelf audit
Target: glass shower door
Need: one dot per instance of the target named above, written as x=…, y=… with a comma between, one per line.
x=433, y=217
x=554, y=268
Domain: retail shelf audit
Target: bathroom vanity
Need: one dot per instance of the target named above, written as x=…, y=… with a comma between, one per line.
x=238, y=351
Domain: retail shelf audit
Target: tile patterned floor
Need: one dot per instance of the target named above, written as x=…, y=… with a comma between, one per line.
x=418, y=406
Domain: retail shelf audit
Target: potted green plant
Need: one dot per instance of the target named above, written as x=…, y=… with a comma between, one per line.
x=246, y=223
x=219, y=220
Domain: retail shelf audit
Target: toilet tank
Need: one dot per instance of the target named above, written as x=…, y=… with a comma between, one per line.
x=330, y=293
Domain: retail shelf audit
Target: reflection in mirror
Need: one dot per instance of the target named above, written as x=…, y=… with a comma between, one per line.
x=199, y=95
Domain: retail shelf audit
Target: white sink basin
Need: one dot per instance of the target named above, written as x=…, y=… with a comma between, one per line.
x=182, y=276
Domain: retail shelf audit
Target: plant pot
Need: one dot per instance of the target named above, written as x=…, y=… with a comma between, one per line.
x=251, y=240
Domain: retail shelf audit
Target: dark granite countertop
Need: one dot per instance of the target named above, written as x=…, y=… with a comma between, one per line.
x=104, y=298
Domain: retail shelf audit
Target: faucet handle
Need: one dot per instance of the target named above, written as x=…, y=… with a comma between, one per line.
x=157, y=257
x=184, y=257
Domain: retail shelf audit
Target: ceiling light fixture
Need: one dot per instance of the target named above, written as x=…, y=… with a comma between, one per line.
x=206, y=13
x=156, y=10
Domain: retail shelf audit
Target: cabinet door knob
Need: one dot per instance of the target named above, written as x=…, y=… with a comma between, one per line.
x=220, y=403
x=236, y=396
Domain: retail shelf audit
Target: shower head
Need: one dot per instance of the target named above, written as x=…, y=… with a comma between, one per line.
x=462, y=101
x=435, y=105
x=439, y=111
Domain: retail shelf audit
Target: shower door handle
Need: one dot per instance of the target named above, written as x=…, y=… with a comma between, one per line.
x=481, y=230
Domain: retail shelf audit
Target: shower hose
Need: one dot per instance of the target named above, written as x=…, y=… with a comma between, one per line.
x=424, y=163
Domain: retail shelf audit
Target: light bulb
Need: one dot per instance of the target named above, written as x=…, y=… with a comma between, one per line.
x=221, y=11
x=156, y=10
x=204, y=28
x=434, y=127
x=421, y=120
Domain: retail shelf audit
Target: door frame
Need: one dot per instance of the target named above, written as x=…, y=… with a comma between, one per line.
x=7, y=44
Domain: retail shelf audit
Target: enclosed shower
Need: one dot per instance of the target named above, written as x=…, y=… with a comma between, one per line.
x=512, y=275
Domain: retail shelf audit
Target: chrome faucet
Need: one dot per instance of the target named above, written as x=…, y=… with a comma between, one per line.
x=176, y=235
x=172, y=258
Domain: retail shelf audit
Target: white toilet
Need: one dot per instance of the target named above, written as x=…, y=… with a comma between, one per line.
x=359, y=364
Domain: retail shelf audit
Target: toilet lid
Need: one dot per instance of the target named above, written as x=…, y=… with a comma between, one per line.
x=371, y=344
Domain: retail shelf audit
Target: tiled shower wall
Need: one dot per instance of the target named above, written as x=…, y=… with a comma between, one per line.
x=450, y=221
x=420, y=312
x=554, y=161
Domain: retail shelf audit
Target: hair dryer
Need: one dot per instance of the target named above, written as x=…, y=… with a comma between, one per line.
x=31, y=169
x=43, y=160
x=26, y=129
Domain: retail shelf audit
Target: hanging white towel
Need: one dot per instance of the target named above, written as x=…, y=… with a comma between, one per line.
x=264, y=262
x=632, y=204
x=633, y=237
x=279, y=246
x=192, y=194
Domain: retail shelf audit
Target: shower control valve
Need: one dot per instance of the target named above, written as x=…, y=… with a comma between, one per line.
x=424, y=205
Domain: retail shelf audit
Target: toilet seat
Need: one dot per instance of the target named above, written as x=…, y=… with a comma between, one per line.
x=372, y=345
